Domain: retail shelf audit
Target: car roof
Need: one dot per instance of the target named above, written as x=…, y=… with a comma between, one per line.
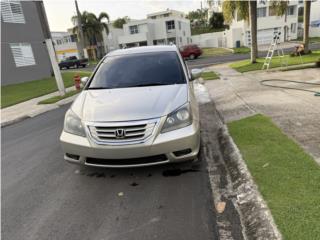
x=144, y=49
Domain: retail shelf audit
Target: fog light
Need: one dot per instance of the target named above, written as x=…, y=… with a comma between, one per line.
x=182, y=152
x=73, y=156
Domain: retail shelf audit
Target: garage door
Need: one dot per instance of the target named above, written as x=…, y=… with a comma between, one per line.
x=265, y=36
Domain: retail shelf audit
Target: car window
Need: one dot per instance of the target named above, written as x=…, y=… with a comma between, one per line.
x=138, y=70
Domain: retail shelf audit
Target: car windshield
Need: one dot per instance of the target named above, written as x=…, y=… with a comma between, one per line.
x=138, y=70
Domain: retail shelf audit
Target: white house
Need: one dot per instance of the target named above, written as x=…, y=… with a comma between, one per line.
x=164, y=27
x=315, y=19
x=111, y=40
x=268, y=24
x=65, y=45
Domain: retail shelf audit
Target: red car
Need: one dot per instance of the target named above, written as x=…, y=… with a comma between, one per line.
x=191, y=51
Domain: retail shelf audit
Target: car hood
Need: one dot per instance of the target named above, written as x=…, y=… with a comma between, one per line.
x=128, y=104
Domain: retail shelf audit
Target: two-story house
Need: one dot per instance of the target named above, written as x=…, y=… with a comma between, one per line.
x=24, y=28
x=65, y=45
x=164, y=27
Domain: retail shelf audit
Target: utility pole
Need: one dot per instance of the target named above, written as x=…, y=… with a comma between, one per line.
x=79, y=23
x=55, y=67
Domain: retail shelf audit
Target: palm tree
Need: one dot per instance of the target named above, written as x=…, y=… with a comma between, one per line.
x=92, y=27
x=253, y=28
x=246, y=10
x=306, y=18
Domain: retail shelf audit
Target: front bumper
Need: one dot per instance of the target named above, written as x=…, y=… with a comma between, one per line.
x=82, y=150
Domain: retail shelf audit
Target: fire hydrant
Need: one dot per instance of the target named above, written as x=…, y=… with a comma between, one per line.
x=77, y=81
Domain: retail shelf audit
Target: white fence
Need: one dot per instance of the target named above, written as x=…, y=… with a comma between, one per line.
x=209, y=40
x=314, y=32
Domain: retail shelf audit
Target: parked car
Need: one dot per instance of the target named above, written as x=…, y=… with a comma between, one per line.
x=74, y=62
x=137, y=109
x=190, y=51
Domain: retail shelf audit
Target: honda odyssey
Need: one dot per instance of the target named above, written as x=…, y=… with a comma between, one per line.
x=137, y=109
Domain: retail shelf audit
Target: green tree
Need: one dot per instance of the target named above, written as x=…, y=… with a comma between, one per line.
x=118, y=23
x=198, y=17
x=216, y=21
x=306, y=18
x=243, y=10
x=92, y=27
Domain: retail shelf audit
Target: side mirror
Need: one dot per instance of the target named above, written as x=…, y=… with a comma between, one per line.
x=195, y=73
x=84, y=80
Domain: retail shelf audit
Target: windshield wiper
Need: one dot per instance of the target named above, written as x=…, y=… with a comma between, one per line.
x=93, y=88
x=151, y=84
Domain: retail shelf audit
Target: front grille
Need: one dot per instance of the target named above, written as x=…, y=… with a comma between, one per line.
x=129, y=161
x=118, y=133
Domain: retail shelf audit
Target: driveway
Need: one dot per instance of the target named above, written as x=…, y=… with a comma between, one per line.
x=43, y=197
x=295, y=112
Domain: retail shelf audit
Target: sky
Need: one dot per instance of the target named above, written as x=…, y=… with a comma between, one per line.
x=59, y=12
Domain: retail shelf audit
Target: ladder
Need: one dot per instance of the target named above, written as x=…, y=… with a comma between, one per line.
x=275, y=46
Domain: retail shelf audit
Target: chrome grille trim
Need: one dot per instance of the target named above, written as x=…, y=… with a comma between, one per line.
x=104, y=133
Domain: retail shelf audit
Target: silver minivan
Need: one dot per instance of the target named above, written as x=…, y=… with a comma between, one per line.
x=137, y=109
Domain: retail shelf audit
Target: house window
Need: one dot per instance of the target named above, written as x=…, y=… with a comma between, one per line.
x=179, y=25
x=11, y=12
x=180, y=39
x=293, y=27
x=170, y=25
x=133, y=29
x=291, y=11
x=22, y=54
x=166, y=15
x=262, y=12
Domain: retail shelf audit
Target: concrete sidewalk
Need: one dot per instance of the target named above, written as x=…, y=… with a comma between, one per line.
x=31, y=108
x=297, y=113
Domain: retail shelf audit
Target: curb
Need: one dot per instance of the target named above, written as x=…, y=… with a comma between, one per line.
x=255, y=214
x=10, y=122
x=49, y=108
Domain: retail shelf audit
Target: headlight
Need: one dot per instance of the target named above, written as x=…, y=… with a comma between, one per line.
x=178, y=119
x=72, y=124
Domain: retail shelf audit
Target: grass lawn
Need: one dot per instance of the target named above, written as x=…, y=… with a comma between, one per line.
x=287, y=177
x=16, y=93
x=58, y=98
x=209, y=75
x=246, y=66
x=241, y=50
x=209, y=52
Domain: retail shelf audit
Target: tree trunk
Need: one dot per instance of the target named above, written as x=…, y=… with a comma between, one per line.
x=306, y=18
x=253, y=28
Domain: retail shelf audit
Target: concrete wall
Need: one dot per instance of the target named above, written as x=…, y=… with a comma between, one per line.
x=314, y=32
x=207, y=40
x=110, y=41
x=315, y=11
x=30, y=32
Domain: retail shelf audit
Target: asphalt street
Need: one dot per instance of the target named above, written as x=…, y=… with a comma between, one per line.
x=43, y=197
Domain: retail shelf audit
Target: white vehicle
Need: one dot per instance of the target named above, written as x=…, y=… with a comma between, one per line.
x=137, y=109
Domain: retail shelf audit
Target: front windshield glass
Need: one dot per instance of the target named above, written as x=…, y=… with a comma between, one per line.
x=138, y=70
